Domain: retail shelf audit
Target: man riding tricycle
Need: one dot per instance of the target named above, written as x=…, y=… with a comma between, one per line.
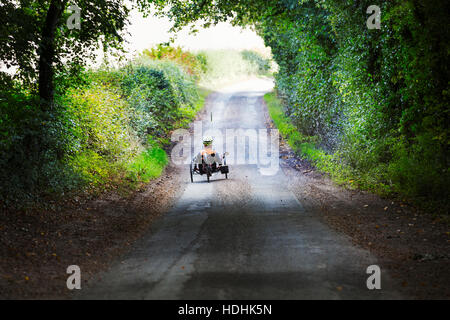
x=208, y=161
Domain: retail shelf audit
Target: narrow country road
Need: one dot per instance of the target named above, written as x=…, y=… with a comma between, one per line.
x=247, y=237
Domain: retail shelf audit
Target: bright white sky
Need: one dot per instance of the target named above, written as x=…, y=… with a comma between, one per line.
x=147, y=32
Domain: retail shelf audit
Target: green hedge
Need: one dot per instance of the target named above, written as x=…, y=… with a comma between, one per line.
x=376, y=100
x=109, y=132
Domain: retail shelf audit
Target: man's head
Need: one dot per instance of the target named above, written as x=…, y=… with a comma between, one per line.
x=207, y=141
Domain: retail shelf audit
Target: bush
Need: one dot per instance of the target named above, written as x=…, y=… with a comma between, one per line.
x=100, y=122
x=194, y=64
x=102, y=138
x=33, y=144
x=106, y=131
x=156, y=92
x=377, y=101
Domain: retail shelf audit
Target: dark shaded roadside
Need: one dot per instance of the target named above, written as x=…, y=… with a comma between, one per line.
x=412, y=245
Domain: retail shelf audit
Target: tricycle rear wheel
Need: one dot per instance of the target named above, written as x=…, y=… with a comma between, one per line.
x=208, y=173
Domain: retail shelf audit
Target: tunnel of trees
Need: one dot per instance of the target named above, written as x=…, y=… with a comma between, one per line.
x=369, y=106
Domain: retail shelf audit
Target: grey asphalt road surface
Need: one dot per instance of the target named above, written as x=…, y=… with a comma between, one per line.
x=247, y=237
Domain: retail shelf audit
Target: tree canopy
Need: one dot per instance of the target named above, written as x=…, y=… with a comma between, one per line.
x=35, y=38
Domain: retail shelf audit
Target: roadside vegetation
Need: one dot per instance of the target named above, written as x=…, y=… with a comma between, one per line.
x=109, y=129
x=370, y=104
x=370, y=107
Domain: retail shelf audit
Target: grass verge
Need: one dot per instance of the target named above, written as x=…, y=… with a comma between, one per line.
x=305, y=146
x=150, y=163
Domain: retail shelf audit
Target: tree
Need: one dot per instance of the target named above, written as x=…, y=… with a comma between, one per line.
x=36, y=41
x=46, y=49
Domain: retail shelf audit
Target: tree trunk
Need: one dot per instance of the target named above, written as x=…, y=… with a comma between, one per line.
x=47, y=51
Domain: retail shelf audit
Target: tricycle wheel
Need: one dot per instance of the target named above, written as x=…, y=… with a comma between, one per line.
x=191, y=172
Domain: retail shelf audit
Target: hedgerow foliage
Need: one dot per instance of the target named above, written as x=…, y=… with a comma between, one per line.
x=106, y=131
x=156, y=92
x=376, y=100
